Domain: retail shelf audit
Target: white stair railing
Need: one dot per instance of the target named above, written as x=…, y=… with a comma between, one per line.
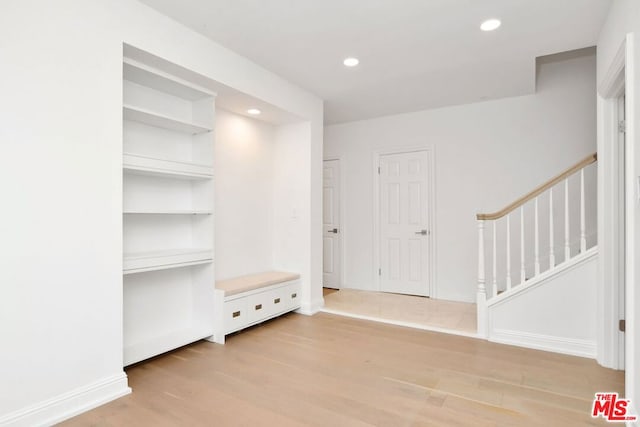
x=530, y=225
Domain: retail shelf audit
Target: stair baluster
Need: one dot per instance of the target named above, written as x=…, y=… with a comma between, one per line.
x=536, y=232
x=523, y=272
x=583, y=231
x=481, y=276
x=494, y=277
x=567, y=243
x=481, y=296
x=552, y=251
x=508, y=253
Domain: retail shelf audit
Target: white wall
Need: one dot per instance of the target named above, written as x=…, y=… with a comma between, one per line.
x=486, y=155
x=293, y=205
x=244, y=170
x=623, y=23
x=60, y=167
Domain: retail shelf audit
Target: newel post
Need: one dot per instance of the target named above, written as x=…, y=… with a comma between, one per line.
x=481, y=299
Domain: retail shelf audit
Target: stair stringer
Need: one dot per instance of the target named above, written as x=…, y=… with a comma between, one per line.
x=555, y=311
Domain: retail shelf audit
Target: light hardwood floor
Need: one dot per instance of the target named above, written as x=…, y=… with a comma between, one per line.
x=330, y=370
x=406, y=310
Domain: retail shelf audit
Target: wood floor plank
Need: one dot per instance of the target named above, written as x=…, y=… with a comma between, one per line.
x=329, y=370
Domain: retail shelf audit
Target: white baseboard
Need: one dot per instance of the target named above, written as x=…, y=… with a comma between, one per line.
x=69, y=404
x=571, y=346
x=309, y=309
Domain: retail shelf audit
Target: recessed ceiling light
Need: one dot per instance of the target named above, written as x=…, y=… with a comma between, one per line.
x=254, y=111
x=490, y=24
x=351, y=62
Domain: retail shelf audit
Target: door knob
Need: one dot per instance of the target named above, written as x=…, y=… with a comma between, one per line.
x=335, y=231
x=423, y=232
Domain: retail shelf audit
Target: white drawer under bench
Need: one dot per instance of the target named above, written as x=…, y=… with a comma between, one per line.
x=245, y=301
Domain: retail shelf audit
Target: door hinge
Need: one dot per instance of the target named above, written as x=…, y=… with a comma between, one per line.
x=379, y=272
x=622, y=325
x=622, y=126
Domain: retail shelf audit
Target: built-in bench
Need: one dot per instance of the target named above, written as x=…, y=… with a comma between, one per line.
x=245, y=301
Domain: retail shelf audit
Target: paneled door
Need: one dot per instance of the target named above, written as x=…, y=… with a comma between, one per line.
x=404, y=223
x=331, y=232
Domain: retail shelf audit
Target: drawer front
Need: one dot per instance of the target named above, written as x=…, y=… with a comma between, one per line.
x=258, y=306
x=278, y=300
x=293, y=295
x=236, y=315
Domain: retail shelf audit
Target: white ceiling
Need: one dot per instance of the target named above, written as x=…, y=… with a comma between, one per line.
x=414, y=54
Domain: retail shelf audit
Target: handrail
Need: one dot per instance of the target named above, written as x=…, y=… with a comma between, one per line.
x=592, y=158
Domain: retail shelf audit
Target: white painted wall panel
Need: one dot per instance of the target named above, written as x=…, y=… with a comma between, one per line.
x=556, y=315
x=295, y=206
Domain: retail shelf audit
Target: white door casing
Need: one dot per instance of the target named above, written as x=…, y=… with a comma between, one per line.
x=616, y=188
x=621, y=78
x=621, y=228
x=404, y=223
x=331, y=226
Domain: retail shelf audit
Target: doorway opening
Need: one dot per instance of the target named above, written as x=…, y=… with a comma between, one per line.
x=332, y=230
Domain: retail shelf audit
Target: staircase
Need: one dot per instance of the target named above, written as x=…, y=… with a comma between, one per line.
x=540, y=253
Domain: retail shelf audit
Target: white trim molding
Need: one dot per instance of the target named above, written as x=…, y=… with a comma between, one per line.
x=614, y=81
x=309, y=309
x=69, y=404
x=571, y=346
x=612, y=269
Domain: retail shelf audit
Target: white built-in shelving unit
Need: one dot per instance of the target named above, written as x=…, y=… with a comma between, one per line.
x=168, y=225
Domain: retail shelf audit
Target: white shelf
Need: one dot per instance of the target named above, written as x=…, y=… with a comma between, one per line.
x=168, y=202
x=144, y=165
x=145, y=349
x=141, y=262
x=166, y=212
x=155, y=119
x=145, y=75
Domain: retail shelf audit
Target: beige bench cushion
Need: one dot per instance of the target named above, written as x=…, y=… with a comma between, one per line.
x=254, y=281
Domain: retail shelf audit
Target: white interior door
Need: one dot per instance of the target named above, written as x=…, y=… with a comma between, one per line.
x=332, y=234
x=404, y=223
